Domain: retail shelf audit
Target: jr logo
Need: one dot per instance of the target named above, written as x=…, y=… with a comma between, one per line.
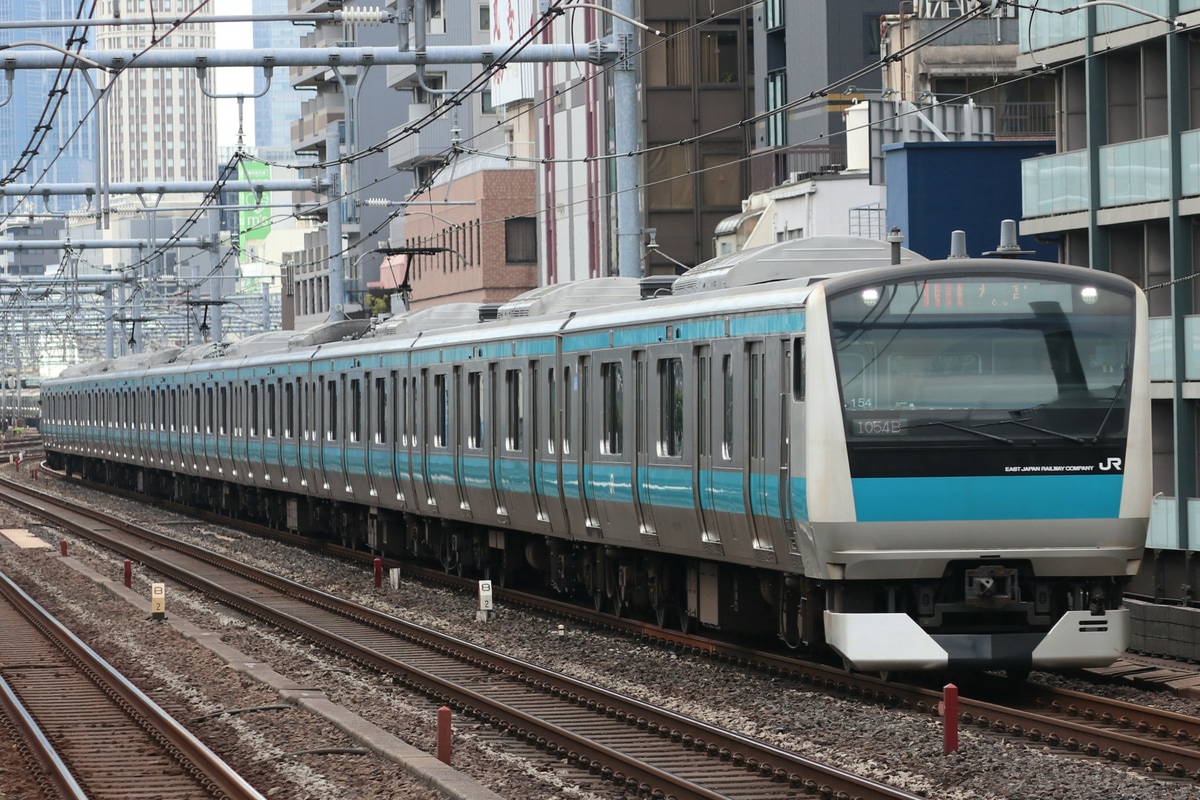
x=1113, y=464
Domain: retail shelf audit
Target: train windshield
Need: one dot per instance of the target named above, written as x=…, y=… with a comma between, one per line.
x=968, y=359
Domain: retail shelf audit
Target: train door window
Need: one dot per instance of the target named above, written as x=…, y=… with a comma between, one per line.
x=568, y=392
x=754, y=400
x=552, y=403
x=534, y=407
x=441, y=405
x=272, y=411
x=153, y=410
x=254, y=410
x=223, y=410
x=612, y=383
x=355, y=403
x=289, y=410
x=174, y=408
x=475, y=410
x=381, y=411
x=197, y=411
x=670, y=385
x=210, y=418
x=164, y=413
x=703, y=403
x=798, y=370
x=306, y=410
x=402, y=409
x=514, y=435
x=331, y=409
x=727, y=405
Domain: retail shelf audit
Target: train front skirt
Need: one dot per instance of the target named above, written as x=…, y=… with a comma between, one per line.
x=874, y=642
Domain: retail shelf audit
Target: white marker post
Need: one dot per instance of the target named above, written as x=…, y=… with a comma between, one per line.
x=158, y=601
x=485, y=601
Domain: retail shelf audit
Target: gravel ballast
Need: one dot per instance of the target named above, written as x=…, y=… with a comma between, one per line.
x=291, y=753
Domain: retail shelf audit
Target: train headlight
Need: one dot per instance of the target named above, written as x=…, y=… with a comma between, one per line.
x=870, y=297
x=1089, y=295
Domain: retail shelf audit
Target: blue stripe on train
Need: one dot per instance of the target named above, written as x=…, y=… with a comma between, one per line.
x=987, y=497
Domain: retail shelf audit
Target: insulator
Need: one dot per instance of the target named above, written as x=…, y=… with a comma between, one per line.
x=362, y=16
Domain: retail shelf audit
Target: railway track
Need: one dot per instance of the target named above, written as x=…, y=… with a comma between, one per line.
x=645, y=750
x=1074, y=723
x=91, y=733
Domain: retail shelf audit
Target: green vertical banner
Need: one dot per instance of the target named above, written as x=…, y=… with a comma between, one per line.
x=254, y=222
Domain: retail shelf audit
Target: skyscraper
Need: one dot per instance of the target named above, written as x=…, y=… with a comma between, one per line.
x=45, y=136
x=275, y=111
x=161, y=124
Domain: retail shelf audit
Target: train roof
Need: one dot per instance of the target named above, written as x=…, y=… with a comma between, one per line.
x=811, y=259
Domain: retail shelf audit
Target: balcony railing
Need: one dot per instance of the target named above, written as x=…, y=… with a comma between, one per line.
x=769, y=168
x=1048, y=28
x=1025, y=120
x=1130, y=173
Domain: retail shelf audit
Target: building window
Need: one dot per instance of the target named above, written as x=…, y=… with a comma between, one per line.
x=520, y=240
x=719, y=54
x=776, y=98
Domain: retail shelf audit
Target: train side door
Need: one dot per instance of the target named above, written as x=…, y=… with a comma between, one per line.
x=702, y=465
x=587, y=446
x=766, y=443
x=425, y=434
x=454, y=422
x=640, y=462
x=494, y=433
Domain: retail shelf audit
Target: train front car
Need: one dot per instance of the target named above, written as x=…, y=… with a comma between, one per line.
x=978, y=469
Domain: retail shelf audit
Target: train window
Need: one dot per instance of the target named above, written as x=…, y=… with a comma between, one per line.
x=703, y=403
x=223, y=410
x=197, y=408
x=475, y=409
x=552, y=396
x=211, y=417
x=670, y=383
x=568, y=393
x=331, y=394
x=613, y=386
x=727, y=403
x=174, y=408
x=402, y=410
x=442, y=407
x=289, y=410
x=514, y=436
x=355, y=402
x=254, y=410
x=754, y=400
x=798, y=370
x=271, y=411
x=306, y=412
x=381, y=411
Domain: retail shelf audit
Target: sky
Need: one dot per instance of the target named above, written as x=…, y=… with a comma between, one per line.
x=234, y=36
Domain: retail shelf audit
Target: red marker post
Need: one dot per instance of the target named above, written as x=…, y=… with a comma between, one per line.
x=950, y=719
x=378, y=572
x=443, y=735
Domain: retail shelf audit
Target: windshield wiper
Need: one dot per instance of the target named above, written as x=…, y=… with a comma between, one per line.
x=1023, y=424
x=1108, y=412
x=964, y=429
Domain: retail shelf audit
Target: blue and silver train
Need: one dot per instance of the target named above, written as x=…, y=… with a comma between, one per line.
x=919, y=465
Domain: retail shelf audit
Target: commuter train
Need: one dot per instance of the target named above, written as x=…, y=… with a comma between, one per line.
x=20, y=407
x=918, y=465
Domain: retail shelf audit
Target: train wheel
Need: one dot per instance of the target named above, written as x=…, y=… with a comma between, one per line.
x=662, y=615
